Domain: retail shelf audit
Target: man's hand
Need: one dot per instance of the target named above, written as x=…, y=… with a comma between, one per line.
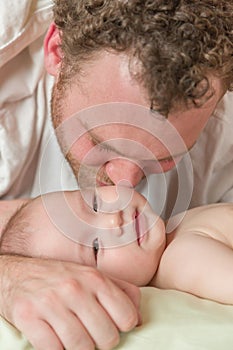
x=64, y=305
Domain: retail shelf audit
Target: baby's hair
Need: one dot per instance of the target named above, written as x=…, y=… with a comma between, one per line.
x=15, y=234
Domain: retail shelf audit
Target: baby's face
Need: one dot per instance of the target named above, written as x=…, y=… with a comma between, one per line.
x=113, y=229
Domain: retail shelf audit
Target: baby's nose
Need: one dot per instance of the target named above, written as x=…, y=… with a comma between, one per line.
x=115, y=220
x=118, y=230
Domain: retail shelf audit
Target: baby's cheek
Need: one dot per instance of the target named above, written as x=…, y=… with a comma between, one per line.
x=140, y=269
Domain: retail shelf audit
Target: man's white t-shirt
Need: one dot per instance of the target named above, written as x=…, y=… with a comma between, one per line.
x=26, y=129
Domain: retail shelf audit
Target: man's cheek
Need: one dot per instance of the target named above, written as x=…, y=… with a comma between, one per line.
x=80, y=150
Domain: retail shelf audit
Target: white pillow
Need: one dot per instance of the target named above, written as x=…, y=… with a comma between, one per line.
x=22, y=22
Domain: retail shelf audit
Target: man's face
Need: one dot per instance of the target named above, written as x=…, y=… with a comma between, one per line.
x=113, y=136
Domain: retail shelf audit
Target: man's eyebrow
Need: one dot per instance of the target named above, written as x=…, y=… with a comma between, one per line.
x=104, y=144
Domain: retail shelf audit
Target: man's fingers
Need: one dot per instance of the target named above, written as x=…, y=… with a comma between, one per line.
x=41, y=335
x=53, y=325
x=134, y=295
x=94, y=318
x=118, y=303
x=65, y=305
x=100, y=325
x=67, y=324
x=131, y=290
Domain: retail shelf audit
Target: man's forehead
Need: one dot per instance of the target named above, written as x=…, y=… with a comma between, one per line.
x=122, y=113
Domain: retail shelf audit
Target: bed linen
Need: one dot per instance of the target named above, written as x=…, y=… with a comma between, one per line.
x=171, y=321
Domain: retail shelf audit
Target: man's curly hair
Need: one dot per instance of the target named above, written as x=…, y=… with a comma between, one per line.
x=176, y=44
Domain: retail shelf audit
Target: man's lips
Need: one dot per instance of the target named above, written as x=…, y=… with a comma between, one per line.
x=104, y=182
x=101, y=183
x=102, y=178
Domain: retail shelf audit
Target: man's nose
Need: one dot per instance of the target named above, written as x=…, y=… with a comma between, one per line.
x=124, y=170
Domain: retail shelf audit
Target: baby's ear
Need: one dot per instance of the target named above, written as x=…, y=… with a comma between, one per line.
x=52, y=51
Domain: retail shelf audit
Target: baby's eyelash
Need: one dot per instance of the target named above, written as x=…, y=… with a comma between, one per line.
x=95, y=204
x=96, y=247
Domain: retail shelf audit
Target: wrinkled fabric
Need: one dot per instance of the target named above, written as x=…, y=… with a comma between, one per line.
x=21, y=23
x=24, y=93
x=171, y=321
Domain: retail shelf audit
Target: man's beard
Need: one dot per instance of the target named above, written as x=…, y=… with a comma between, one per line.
x=86, y=175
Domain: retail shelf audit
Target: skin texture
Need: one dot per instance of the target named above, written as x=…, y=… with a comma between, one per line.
x=98, y=89
x=34, y=304
x=81, y=261
x=7, y=209
x=47, y=293
x=196, y=257
x=130, y=241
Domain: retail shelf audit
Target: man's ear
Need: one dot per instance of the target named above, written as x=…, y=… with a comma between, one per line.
x=52, y=51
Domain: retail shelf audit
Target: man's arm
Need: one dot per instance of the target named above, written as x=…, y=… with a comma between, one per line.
x=7, y=209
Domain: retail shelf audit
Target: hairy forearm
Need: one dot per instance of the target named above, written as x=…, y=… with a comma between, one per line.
x=8, y=268
x=7, y=209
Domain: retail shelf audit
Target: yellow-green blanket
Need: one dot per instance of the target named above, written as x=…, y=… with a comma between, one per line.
x=171, y=321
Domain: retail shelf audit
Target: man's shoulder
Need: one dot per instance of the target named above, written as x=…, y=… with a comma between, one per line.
x=224, y=109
